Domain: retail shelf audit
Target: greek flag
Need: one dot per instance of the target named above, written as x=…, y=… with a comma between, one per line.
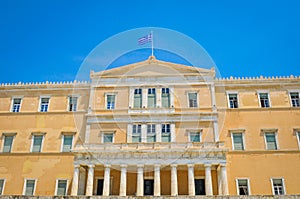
x=145, y=39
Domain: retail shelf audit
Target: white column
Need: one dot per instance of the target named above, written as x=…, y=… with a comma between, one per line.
x=213, y=97
x=74, y=190
x=91, y=100
x=174, y=183
x=87, y=134
x=158, y=132
x=123, y=180
x=144, y=97
x=106, y=180
x=158, y=97
x=208, y=180
x=140, y=181
x=171, y=89
x=144, y=133
x=216, y=131
x=82, y=180
x=156, y=180
x=223, y=175
x=129, y=133
x=131, y=96
x=191, y=180
x=173, y=133
x=90, y=181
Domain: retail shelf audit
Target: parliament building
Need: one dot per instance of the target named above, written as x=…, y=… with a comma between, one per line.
x=151, y=128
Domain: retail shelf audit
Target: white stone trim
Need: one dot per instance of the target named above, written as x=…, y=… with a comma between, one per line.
x=237, y=185
x=56, y=184
x=298, y=137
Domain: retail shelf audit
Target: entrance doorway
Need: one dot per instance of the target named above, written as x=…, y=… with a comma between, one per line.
x=99, y=187
x=200, y=186
x=148, y=187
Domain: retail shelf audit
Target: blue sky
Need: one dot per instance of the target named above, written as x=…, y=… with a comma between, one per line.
x=47, y=40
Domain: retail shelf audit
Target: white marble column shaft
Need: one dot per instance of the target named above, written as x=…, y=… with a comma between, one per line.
x=75, y=181
x=191, y=180
x=140, y=181
x=208, y=180
x=156, y=180
x=90, y=181
x=174, y=182
x=123, y=180
x=106, y=182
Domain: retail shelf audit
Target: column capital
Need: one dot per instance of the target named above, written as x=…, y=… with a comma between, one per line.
x=140, y=166
x=91, y=165
x=207, y=165
x=223, y=165
x=107, y=165
x=190, y=165
x=157, y=166
x=173, y=165
x=76, y=166
x=123, y=165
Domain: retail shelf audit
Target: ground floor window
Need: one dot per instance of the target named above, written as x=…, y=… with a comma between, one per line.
x=1, y=186
x=278, y=186
x=61, y=187
x=29, y=187
x=243, y=187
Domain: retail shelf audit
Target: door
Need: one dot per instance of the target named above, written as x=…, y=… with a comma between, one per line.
x=199, y=186
x=148, y=187
x=99, y=187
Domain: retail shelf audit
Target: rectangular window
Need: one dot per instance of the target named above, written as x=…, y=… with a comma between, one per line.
x=110, y=102
x=298, y=137
x=108, y=138
x=242, y=186
x=37, y=143
x=165, y=133
x=16, y=104
x=195, y=137
x=137, y=98
x=278, y=187
x=73, y=104
x=2, y=181
x=136, y=133
x=193, y=102
x=29, y=187
x=44, y=104
x=271, y=141
x=151, y=98
x=295, y=99
x=8, y=141
x=67, y=143
x=165, y=97
x=233, y=101
x=264, y=100
x=237, y=140
x=61, y=187
x=151, y=133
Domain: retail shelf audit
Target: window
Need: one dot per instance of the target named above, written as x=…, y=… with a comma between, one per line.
x=278, y=186
x=295, y=99
x=8, y=141
x=2, y=181
x=16, y=104
x=165, y=133
x=264, y=100
x=137, y=98
x=151, y=133
x=233, y=101
x=193, y=102
x=108, y=137
x=61, y=187
x=44, y=104
x=110, y=101
x=29, y=187
x=37, y=142
x=73, y=104
x=237, y=141
x=242, y=186
x=195, y=136
x=136, y=133
x=151, y=98
x=298, y=137
x=271, y=142
x=67, y=143
x=165, y=97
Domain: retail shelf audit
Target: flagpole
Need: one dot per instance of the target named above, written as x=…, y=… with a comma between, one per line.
x=152, y=48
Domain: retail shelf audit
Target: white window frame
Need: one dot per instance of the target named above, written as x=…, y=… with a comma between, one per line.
x=190, y=131
x=3, y=188
x=133, y=134
x=269, y=98
x=68, y=106
x=133, y=90
x=237, y=97
x=275, y=131
x=283, y=184
x=290, y=97
x=188, y=99
x=107, y=132
x=56, y=186
x=151, y=134
x=62, y=142
x=237, y=185
x=32, y=141
x=155, y=97
x=12, y=103
x=298, y=137
x=40, y=103
x=12, y=143
x=242, y=131
x=105, y=96
x=24, y=185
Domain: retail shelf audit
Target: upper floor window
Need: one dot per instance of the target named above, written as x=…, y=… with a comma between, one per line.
x=8, y=142
x=72, y=103
x=108, y=137
x=295, y=99
x=233, y=100
x=61, y=187
x=136, y=133
x=67, y=143
x=44, y=104
x=2, y=181
x=29, y=187
x=37, y=143
x=151, y=133
x=151, y=98
x=237, y=141
x=264, y=100
x=195, y=137
x=16, y=104
x=165, y=133
x=193, y=101
x=137, y=98
x=242, y=186
x=165, y=97
x=271, y=141
x=110, y=101
x=278, y=186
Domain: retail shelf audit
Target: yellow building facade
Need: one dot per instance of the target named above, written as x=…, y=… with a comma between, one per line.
x=151, y=128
